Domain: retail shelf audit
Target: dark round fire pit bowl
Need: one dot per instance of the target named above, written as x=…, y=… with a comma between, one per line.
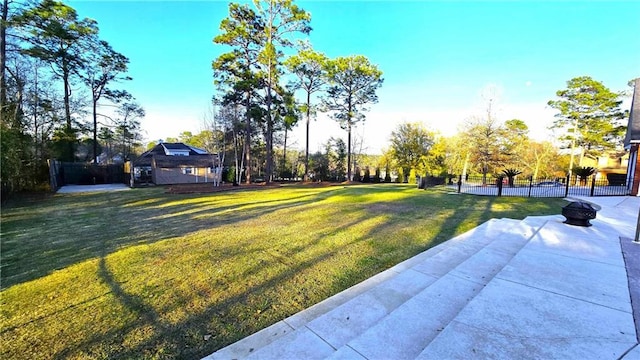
x=579, y=213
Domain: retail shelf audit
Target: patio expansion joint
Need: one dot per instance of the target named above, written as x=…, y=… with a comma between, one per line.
x=319, y=336
x=627, y=352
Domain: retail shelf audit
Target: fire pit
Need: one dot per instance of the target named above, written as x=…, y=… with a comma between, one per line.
x=579, y=213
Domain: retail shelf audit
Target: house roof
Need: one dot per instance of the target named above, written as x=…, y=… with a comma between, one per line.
x=161, y=150
x=168, y=161
x=633, y=129
x=174, y=146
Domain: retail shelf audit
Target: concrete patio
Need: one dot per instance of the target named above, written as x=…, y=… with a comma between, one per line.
x=530, y=289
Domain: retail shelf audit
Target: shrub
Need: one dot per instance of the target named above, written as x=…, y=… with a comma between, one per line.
x=510, y=174
x=376, y=177
x=367, y=176
x=356, y=175
x=584, y=172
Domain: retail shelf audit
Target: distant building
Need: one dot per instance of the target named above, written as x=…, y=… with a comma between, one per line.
x=174, y=163
x=632, y=142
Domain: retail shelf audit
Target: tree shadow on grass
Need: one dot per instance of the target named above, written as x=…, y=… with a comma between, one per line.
x=219, y=318
x=196, y=347
x=63, y=232
x=174, y=338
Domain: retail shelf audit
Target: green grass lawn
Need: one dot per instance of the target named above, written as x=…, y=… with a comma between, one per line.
x=144, y=274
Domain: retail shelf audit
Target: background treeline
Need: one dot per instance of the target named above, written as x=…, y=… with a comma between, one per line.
x=61, y=94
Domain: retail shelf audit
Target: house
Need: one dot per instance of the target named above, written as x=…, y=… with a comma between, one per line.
x=632, y=141
x=175, y=163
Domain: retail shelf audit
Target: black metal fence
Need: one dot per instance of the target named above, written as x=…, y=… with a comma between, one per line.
x=66, y=173
x=528, y=187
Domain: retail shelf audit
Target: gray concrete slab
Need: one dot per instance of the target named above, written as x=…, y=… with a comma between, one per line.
x=303, y=317
x=482, y=266
x=446, y=260
x=69, y=189
x=404, y=333
x=591, y=281
x=342, y=324
x=562, y=239
x=631, y=252
x=244, y=348
x=514, y=321
x=299, y=344
x=633, y=354
x=346, y=353
x=510, y=243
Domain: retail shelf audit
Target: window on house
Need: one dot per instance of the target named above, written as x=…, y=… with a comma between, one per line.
x=187, y=171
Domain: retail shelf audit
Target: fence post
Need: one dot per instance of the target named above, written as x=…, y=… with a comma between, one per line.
x=530, y=184
x=636, y=239
x=593, y=185
x=566, y=188
x=499, y=185
x=459, y=183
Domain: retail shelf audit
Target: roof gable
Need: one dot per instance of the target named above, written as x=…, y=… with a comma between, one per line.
x=170, y=150
x=633, y=128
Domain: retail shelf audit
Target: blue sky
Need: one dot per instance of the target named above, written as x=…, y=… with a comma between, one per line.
x=436, y=57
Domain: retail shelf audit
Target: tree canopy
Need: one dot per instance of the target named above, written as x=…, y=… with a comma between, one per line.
x=54, y=69
x=589, y=116
x=410, y=144
x=352, y=85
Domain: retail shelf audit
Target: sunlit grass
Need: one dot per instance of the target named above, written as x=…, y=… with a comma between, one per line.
x=144, y=274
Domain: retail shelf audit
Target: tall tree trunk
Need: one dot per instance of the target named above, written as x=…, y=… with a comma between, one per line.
x=235, y=155
x=95, y=131
x=3, y=59
x=247, y=140
x=349, y=151
x=306, y=153
x=465, y=166
x=67, y=111
x=269, y=139
x=349, y=108
x=284, y=153
x=67, y=97
x=36, y=143
x=269, y=145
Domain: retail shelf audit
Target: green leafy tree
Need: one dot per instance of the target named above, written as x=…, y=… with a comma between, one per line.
x=515, y=141
x=583, y=172
x=289, y=115
x=235, y=71
x=366, y=178
x=58, y=37
x=484, y=140
x=308, y=67
x=319, y=164
x=511, y=174
x=410, y=146
x=436, y=160
x=590, y=117
x=282, y=20
x=540, y=159
x=127, y=129
x=353, y=82
x=4, y=22
x=103, y=66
